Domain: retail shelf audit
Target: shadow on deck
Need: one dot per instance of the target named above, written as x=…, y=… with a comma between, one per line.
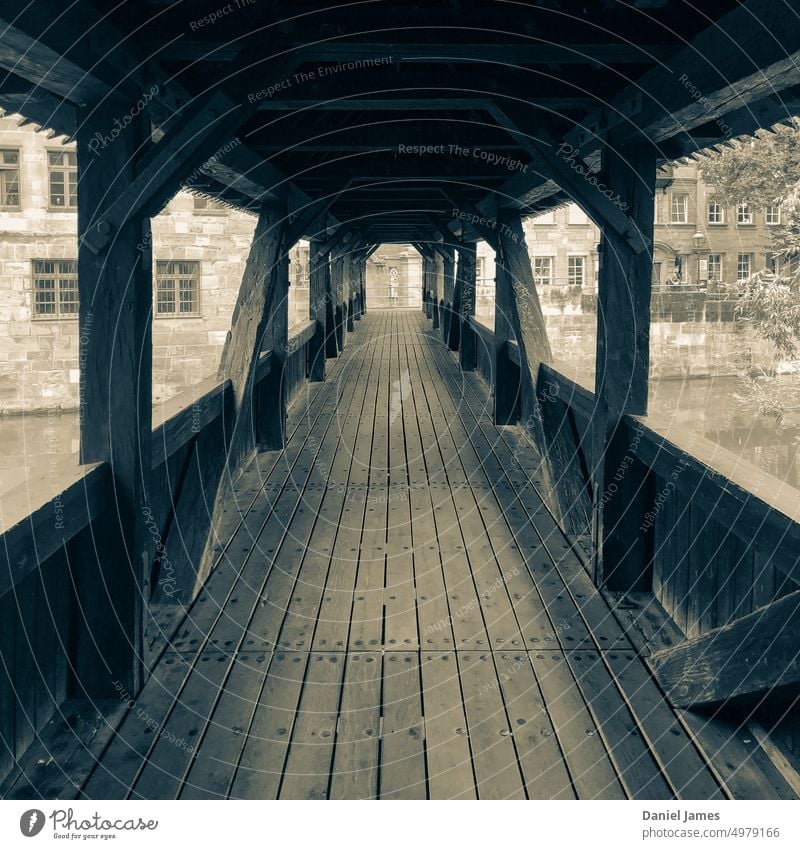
x=396, y=614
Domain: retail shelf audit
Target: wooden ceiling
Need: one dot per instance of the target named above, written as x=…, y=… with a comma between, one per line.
x=335, y=101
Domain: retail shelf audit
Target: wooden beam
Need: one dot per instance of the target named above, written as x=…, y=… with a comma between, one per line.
x=271, y=402
x=622, y=556
x=734, y=63
x=584, y=188
x=521, y=310
x=467, y=272
x=350, y=103
x=259, y=292
x=198, y=137
x=534, y=52
x=752, y=655
x=55, y=47
x=112, y=571
x=318, y=272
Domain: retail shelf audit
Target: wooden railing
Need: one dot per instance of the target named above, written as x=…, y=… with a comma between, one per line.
x=52, y=536
x=722, y=544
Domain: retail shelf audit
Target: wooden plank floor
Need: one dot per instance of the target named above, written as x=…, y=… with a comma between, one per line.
x=396, y=615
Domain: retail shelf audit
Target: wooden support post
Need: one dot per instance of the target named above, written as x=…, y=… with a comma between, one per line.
x=428, y=272
x=467, y=271
x=337, y=294
x=271, y=409
x=359, y=286
x=506, y=383
x=349, y=279
x=264, y=284
x=331, y=343
x=318, y=272
x=454, y=329
x=623, y=551
x=518, y=313
x=111, y=569
x=437, y=288
x=448, y=269
x=363, y=286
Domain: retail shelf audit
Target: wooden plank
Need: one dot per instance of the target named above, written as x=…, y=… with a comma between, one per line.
x=218, y=750
x=355, y=763
x=308, y=764
x=119, y=764
x=755, y=653
x=260, y=768
x=541, y=760
x=449, y=757
x=685, y=767
x=402, y=767
x=639, y=771
x=746, y=770
x=593, y=774
x=494, y=756
x=162, y=772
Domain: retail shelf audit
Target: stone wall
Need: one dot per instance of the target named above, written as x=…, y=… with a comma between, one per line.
x=39, y=356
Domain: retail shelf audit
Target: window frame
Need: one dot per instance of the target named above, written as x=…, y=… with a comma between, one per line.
x=57, y=278
x=739, y=215
x=673, y=197
x=767, y=213
x=66, y=170
x=6, y=207
x=720, y=209
x=711, y=275
x=739, y=258
x=570, y=260
x=176, y=278
x=537, y=278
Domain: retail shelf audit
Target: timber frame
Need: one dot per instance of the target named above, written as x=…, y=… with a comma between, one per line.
x=340, y=159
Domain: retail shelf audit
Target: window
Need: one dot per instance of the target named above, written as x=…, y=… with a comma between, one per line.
x=575, y=270
x=177, y=288
x=55, y=288
x=716, y=213
x=480, y=269
x=744, y=214
x=772, y=215
x=543, y=270
x=743, y=265
x=63, y=173
x=9, y=178
x=773, y=263
x=209, y=206
x=680, y=208
x=715, y=266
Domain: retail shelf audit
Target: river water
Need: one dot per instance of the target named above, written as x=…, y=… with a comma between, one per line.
x=32, y=444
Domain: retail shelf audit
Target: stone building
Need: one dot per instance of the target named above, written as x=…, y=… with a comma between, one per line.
x=199, y=248
x=394, y=278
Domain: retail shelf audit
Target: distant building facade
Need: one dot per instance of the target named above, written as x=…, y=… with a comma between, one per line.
x=199, y=248
x=394, y=278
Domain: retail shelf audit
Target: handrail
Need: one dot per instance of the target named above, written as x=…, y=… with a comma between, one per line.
x=300, y=334
x=40, y=515
x=482, y=330
x=186, y=415
x=263, y=366
x=753, y=503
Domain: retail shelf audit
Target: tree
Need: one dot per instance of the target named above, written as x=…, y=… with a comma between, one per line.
x=764, y=171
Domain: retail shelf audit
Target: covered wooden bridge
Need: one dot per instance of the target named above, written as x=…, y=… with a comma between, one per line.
x=392, y=554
